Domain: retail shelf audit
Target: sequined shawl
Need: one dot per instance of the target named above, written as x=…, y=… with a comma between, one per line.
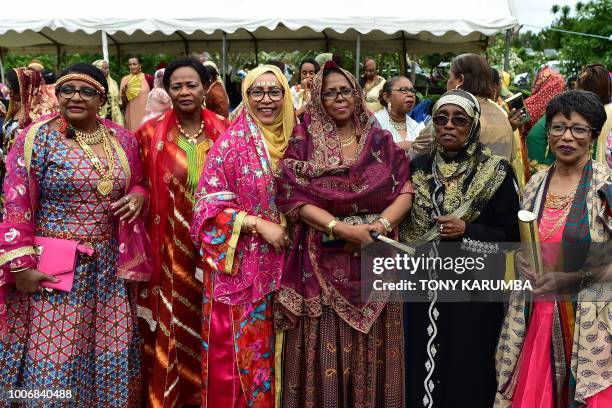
x=238, y=178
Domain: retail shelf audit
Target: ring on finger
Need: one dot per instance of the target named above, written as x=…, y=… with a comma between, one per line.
x=441, y=227
x=132, y=206
x=126, y=199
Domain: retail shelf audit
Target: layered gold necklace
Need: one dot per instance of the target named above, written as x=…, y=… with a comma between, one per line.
x=101, y=135
x=550, y=225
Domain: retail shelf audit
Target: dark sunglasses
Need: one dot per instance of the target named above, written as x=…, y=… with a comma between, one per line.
x=442, y=120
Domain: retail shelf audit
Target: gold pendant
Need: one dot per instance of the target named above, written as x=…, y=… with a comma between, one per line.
x=105, y=186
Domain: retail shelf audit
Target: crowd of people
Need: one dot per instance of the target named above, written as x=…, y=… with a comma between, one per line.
x=159, y=248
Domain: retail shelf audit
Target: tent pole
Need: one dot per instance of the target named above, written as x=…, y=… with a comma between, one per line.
x=357, y=55
x=507, y=50
x=413, y=73
x=224, y=55
x=104, y=46
x=403, y=60
x=2, y=66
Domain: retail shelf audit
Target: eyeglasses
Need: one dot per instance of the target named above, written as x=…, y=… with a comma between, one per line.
x=345, y=93
x=442, y=120
x=405, y=91
x=86, y=93
x=577, y=131
x=275, y=94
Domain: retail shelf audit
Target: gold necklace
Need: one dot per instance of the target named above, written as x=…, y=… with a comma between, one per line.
x=92, y=138
x=191, y=139
x=350, y=140
x=399, y=126
x=552, y=224
x=105, y=184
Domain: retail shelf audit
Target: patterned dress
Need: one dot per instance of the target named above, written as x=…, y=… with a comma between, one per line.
x=170, y=301
x=84, y=340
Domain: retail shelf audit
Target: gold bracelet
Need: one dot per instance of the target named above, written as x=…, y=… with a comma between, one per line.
x=385, y=223
x=330, y=227
x=17, y=270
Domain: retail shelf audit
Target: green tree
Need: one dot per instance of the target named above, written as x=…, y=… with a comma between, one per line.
x=577, y=51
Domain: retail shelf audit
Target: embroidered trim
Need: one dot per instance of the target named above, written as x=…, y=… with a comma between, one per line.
x=123, y=160
x=147, y=315
x=231, y=251
x=479, y=247
x=16, y=253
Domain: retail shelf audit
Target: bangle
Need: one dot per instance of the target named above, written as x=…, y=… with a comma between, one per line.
x=385, y=223
x=586, y=278
x=21, y=269
x=254, y=225
x=330, y=227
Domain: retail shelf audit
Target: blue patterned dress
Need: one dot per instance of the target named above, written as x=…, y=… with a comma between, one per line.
x=84, y=340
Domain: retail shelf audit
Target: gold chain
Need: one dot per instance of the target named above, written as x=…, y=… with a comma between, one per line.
x=399, y=126
x=349, y=141
x=105, y=185
x=556, y=202
x=93, y=138
x=191, y=139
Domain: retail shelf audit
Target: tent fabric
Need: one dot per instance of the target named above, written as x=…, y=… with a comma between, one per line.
x=272, y=24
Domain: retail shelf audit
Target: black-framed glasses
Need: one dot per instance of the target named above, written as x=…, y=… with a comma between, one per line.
x=405, y=90
x=86, y=93
x=442, y=120
x=577, y=131
x=345, y=93
x=275, y=94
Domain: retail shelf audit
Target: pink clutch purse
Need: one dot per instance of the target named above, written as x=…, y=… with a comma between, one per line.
x=56, y=257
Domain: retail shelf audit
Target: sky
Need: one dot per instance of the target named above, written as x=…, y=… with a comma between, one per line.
x=537, y=12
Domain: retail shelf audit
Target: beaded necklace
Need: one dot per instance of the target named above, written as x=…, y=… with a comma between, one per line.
x=193, y=139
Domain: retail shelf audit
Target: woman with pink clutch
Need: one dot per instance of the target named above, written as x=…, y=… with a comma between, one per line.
x=72, y=240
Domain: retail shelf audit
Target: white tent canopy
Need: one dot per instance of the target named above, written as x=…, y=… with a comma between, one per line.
x=193, y=25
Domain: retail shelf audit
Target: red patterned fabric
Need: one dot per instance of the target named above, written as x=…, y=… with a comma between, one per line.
x=548, y=83
x=170, y=303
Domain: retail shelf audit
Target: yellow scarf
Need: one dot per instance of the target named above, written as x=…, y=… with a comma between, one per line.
x=276, y=136
x=134, y=84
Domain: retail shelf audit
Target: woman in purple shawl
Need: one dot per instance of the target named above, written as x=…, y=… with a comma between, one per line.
x=341, y=177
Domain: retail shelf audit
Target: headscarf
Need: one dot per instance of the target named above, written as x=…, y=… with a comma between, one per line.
x=36, y=65
x=328, y=152
x=33, y=96
x=112, y=102
x=453, y=183
x=158, y=82
x=547, y=84
x=276, y=135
